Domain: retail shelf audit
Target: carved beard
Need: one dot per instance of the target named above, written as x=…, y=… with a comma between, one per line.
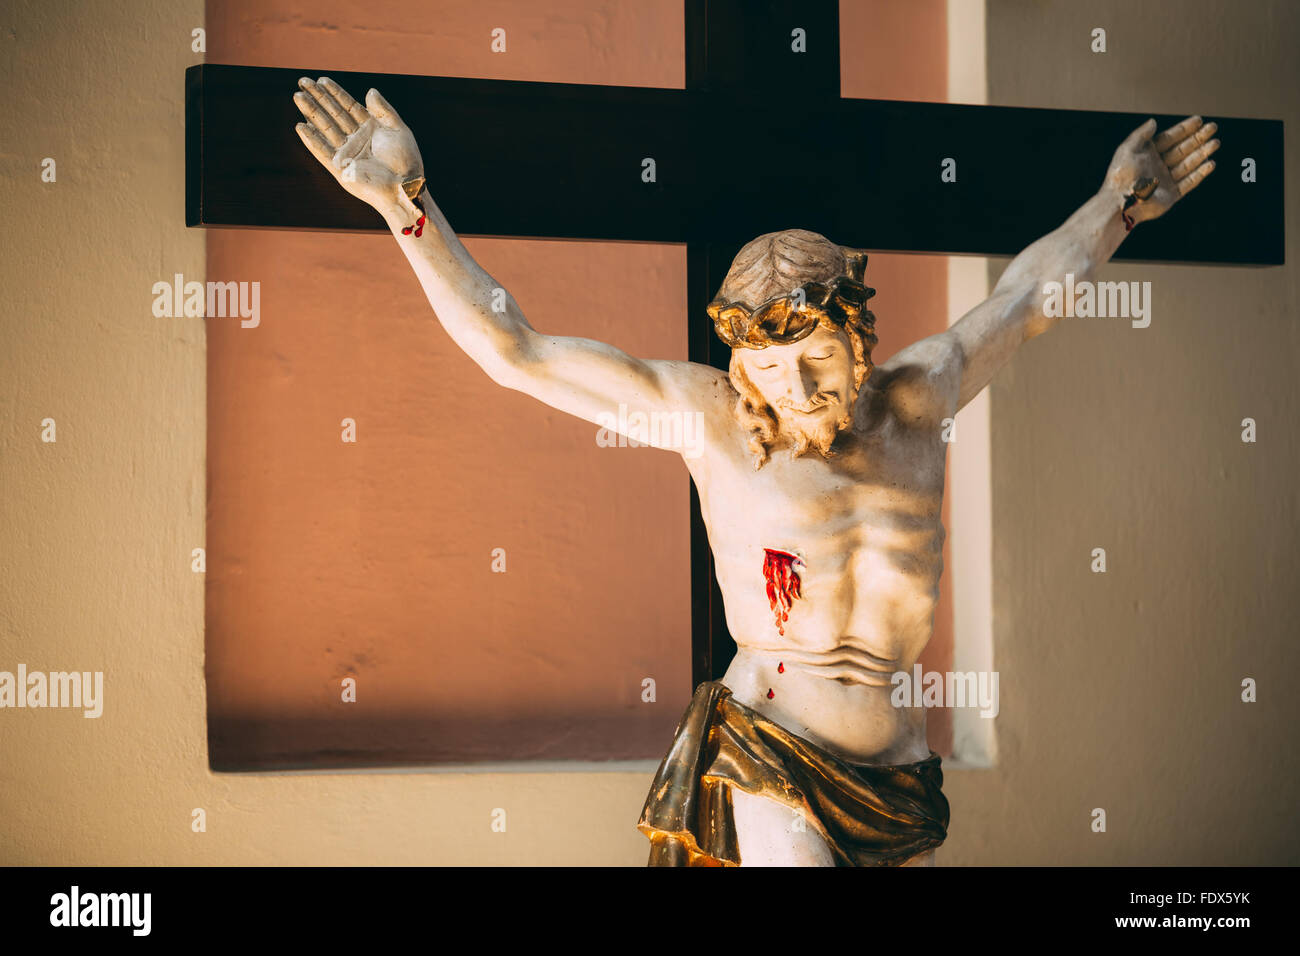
x=818, y=438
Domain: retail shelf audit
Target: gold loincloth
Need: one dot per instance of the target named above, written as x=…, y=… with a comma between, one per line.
x=868, y=815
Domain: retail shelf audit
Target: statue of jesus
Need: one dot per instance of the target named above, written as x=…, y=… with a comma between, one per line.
x=820, y=479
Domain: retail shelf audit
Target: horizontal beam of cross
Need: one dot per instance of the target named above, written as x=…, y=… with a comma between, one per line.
x=566, y=161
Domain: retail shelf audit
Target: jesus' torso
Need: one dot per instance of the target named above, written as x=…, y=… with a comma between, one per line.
x=867, y=526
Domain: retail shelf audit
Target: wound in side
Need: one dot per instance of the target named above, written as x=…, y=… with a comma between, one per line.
x=781, y=570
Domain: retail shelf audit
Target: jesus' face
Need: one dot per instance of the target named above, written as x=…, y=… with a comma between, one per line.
x=808, y=384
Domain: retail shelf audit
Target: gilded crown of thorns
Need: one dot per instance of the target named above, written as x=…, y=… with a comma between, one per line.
x=788, y=318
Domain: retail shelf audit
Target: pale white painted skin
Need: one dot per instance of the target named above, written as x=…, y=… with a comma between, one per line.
x=866, y=521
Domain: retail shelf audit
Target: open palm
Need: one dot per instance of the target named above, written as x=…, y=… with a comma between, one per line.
x=1159, y=169
x=367, y=149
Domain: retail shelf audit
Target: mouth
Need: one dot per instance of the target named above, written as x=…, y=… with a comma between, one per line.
x=816, y=405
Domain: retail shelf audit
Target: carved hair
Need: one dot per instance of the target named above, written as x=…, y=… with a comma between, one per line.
x=777, y=262
x=779, y=288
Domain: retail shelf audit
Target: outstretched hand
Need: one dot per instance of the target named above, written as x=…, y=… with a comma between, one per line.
x=367, y=149
x=1152, y=172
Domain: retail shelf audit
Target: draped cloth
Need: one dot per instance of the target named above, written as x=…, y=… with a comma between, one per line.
x=868, y=815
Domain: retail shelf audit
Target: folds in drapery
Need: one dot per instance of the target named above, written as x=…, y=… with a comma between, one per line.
x=868, y=815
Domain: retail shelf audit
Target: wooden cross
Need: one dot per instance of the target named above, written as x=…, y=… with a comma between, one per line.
x=760, y=140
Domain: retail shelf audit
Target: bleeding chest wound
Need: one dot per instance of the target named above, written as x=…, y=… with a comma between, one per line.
x=781, y=569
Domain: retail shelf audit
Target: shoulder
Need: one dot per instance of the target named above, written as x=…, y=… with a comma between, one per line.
x=921, y=382
x=695, y=386
x=702, y=402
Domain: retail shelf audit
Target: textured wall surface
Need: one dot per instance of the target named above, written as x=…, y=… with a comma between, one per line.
x=1122, y=690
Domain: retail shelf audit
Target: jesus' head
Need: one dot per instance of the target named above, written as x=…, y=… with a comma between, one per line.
x=792, y=308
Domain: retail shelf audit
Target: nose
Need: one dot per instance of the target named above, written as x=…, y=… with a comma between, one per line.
x=803, y=385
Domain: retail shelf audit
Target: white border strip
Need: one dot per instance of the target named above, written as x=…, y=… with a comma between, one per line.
x=970, y=461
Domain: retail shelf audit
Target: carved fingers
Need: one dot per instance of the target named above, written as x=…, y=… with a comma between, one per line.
x=1193, y=179
x=339, y=129
x=334, y=113
x=313, y=140
x=1180, y=149
x=342, y=97
x=1194, y=159
x=1176, y=134
x=318, y=116
x=1188, y=173
x=369, y=151
x=384, y=114
x=1186, y=149
x=342, y=119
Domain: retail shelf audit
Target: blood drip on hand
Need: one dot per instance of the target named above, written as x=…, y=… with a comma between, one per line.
x=783, y=584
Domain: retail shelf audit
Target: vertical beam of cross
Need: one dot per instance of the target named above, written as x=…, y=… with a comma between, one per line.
x=743, y=50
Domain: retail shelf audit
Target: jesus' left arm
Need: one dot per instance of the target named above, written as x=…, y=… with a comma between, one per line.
x=1147, y=175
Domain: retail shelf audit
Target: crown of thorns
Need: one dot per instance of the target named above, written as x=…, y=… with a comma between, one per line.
x=788, y=318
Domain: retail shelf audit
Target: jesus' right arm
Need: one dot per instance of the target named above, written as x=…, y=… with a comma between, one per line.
x=371, y=153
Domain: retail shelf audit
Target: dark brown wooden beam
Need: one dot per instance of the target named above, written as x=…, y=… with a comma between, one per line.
x=564, y=161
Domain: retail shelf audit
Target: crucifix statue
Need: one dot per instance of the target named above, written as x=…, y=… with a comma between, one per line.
x=820, y=478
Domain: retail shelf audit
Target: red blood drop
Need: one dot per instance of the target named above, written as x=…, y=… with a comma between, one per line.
x=419, y=232
x=406, y=231
x=770, y=695
x=780, y=667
